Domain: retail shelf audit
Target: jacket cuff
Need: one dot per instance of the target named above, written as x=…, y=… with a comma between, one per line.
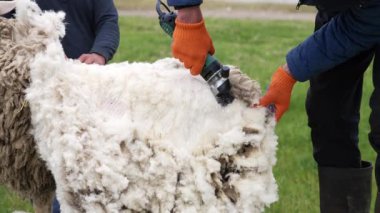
x=184, y=3
x=181, y=7
x=297, y=65
x=103, y=53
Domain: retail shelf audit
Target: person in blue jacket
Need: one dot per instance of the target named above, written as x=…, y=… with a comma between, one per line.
x=333, y=59
x=191, y=41
x=92, y=31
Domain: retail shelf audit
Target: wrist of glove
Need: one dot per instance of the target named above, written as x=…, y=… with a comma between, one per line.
x=191, y=44
x=279, y=92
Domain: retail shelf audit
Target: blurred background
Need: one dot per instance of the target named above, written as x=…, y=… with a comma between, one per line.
x=254, y=35
x=229, y=8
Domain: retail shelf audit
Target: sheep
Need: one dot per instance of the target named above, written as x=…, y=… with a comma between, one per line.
x=141, y=137
x=21, y=168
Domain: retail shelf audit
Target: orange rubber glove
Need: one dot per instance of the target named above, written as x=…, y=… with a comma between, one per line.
x=279, y=92
x=191, y=44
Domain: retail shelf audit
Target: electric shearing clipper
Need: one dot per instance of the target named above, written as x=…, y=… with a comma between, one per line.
x=213, y=72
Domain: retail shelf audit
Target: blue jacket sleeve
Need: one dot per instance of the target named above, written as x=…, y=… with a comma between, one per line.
x=345, y=36
x=106, y=28
x=177, y=3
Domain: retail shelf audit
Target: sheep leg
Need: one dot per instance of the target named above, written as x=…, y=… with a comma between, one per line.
x=43, y=204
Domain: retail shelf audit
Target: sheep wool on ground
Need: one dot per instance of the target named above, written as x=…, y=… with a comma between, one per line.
x=144, y=137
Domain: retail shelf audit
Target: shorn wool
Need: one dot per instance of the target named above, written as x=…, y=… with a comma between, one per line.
x=144, y=137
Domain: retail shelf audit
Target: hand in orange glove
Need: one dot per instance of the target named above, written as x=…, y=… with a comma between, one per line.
x=279, y=92
x=191, y=44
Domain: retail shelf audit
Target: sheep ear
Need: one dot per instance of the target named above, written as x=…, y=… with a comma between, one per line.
x=7, y=6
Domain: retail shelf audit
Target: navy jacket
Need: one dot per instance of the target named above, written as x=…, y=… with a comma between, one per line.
x=346, y=35
x=178, y=3
x=91, y=26
x=332, y=5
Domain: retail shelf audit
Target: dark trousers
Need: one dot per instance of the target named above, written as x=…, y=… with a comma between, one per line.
x=56, y=206
x=374, y=135
x=333, y=108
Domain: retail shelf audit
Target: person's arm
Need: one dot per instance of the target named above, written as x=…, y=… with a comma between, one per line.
x=345, y=36
x=191, y=41
x=106, y=31
x=190, y=15
x=184, y=3
x=342, y=38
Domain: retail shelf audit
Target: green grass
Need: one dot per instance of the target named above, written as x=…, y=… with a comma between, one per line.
x=258, y=48
x=9, y=202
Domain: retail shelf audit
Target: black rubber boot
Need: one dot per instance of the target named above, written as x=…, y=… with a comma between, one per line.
x=345, y=190
x=377, y=203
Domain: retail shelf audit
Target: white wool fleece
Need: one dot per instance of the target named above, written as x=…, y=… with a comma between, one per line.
x=147, y=137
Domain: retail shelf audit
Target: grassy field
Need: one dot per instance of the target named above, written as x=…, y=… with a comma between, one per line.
x=258, y=48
